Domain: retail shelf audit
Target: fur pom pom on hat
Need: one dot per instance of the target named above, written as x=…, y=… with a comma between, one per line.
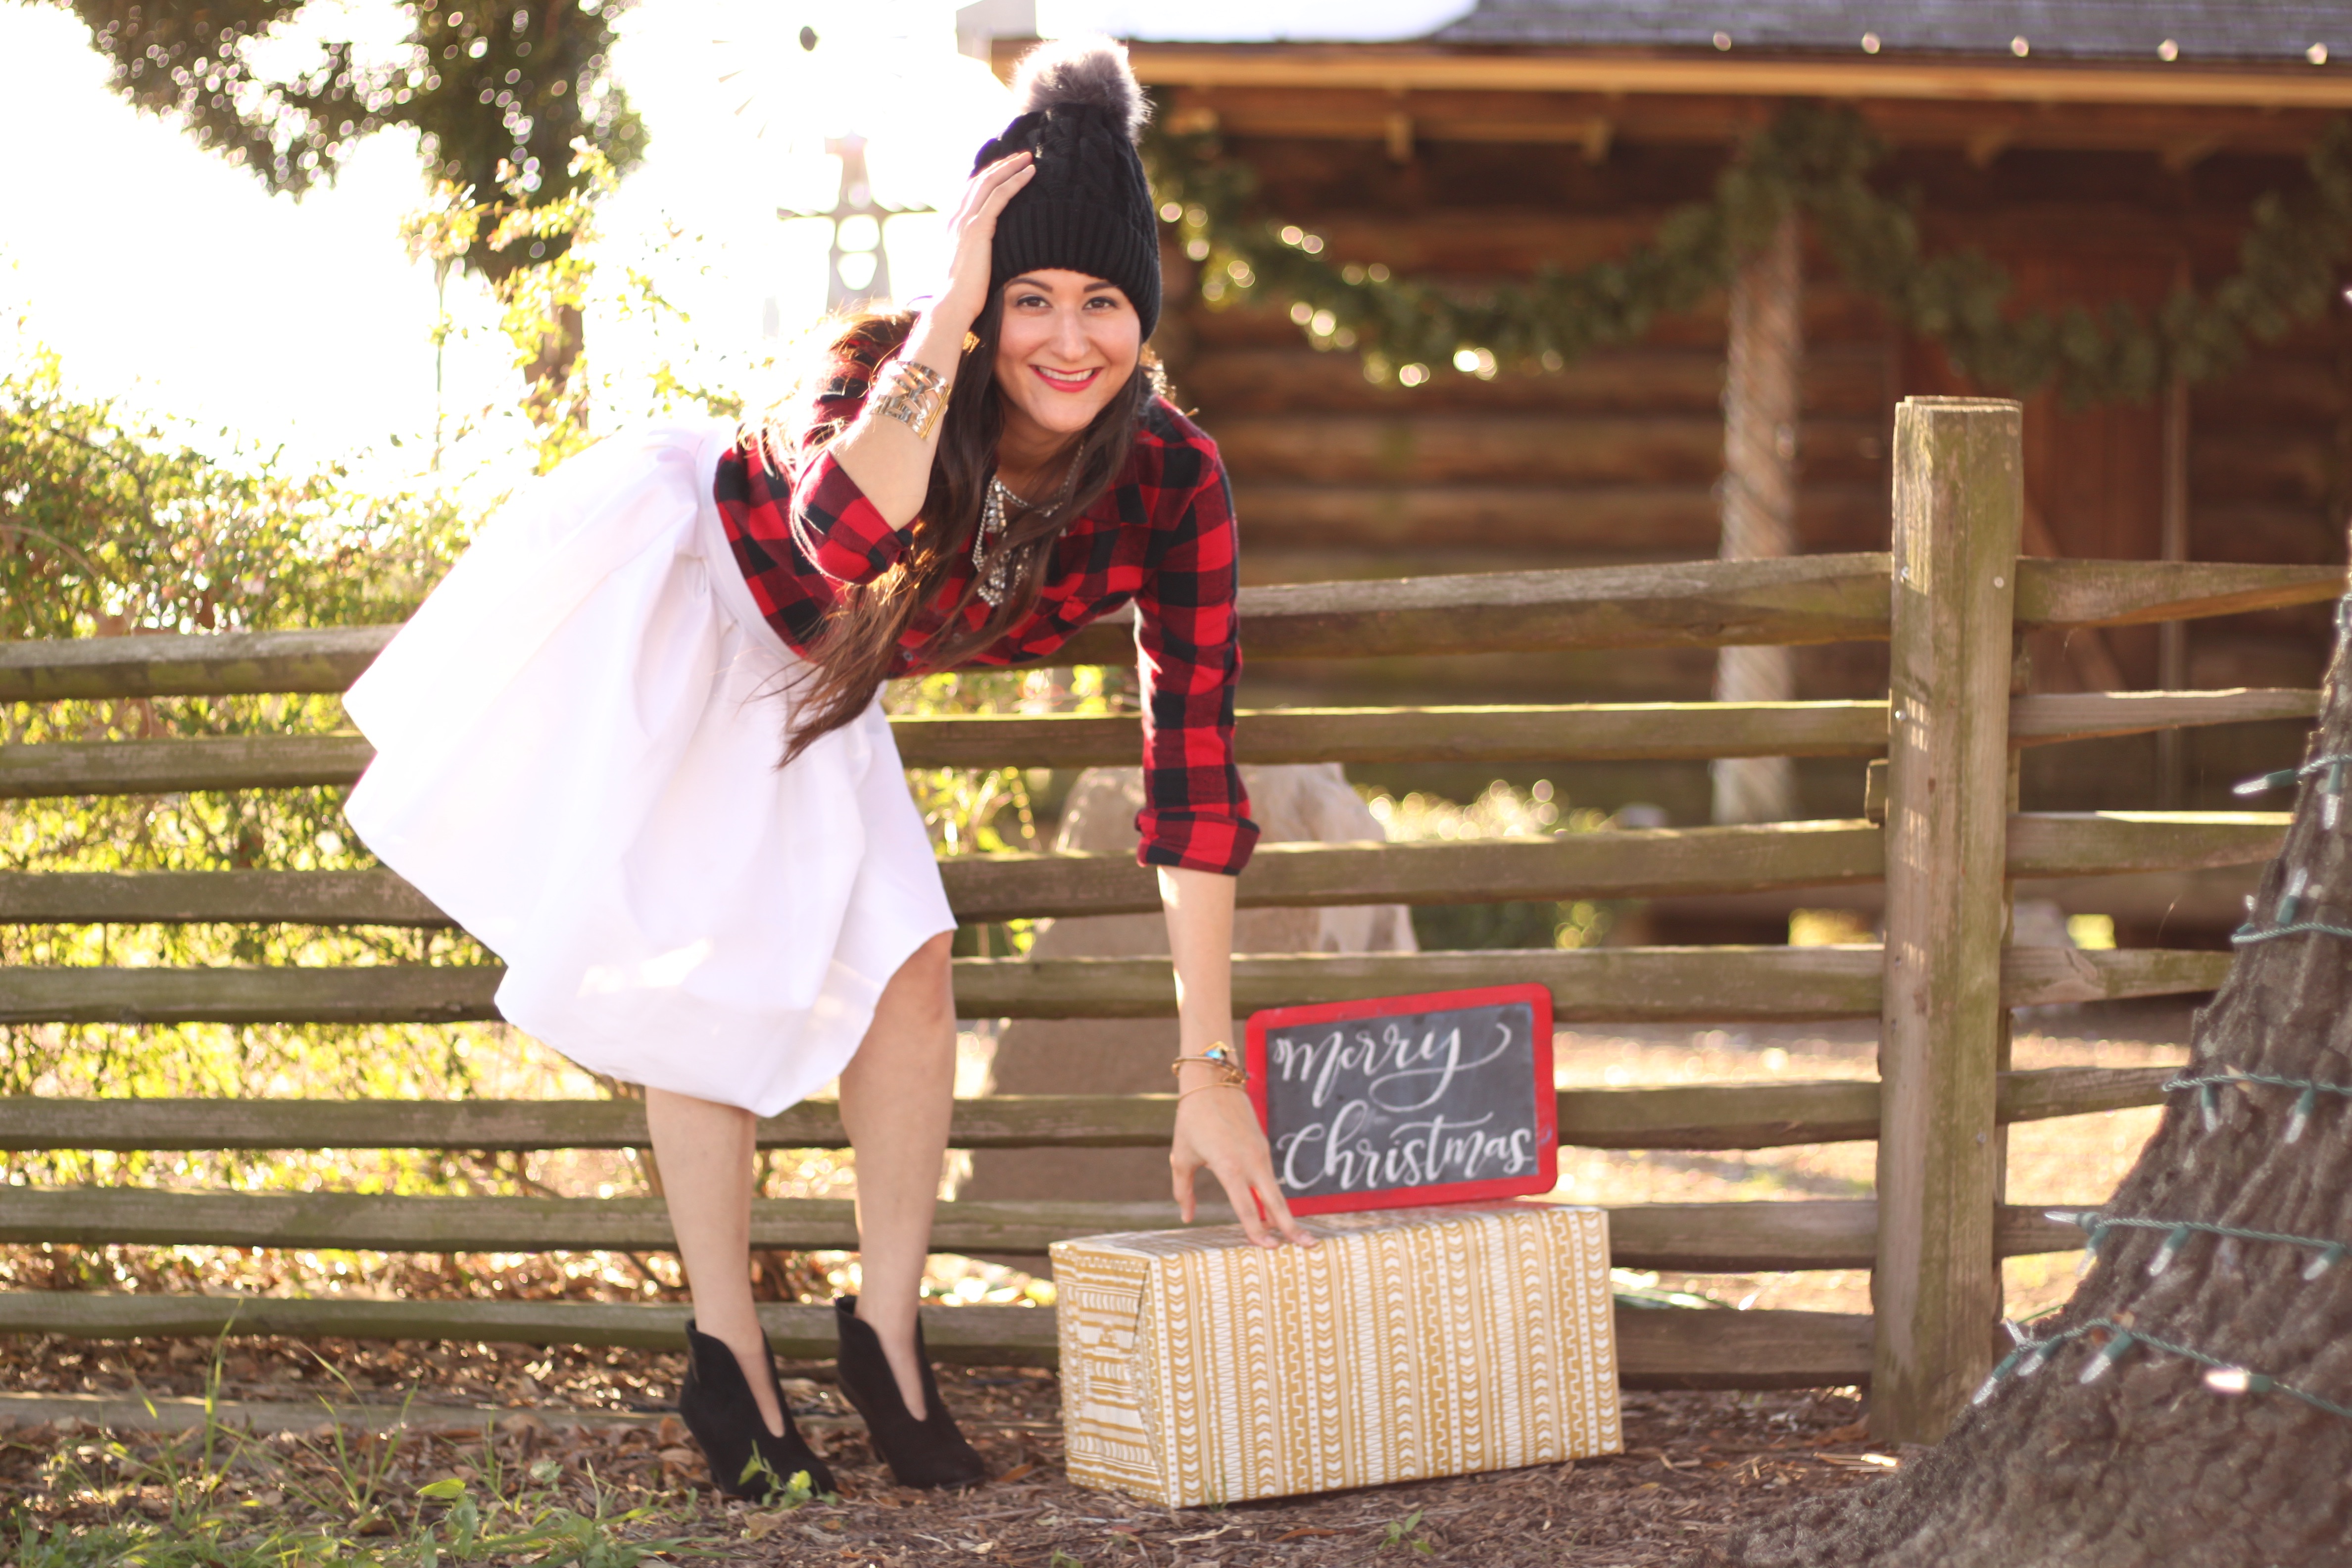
x=1092, y=70
x=1088, y=207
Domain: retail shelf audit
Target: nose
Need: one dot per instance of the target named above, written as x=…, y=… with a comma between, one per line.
x=1069, y=335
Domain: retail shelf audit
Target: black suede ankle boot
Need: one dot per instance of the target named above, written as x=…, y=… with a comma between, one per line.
x=717, y=1405
x=926, y=1453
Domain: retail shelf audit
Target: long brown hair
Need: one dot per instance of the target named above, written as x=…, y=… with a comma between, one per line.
x=852, y=651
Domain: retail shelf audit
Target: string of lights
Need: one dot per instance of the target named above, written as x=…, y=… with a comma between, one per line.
x=2246, y=936
x=2290, y=904
x=2331, y=794
x=2328, y=1254
x=2286, y=777
x=2306, y=1100
x=2220, y=1376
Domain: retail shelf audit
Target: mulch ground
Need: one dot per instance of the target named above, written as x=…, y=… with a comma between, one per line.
x=1696, y=1465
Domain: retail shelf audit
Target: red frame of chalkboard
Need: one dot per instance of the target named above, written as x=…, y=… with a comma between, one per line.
x=1547, y=1173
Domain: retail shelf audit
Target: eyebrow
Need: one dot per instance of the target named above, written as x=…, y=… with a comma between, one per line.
x=1098, y=285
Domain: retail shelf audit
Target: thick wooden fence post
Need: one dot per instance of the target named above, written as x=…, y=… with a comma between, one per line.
x=1958, y=508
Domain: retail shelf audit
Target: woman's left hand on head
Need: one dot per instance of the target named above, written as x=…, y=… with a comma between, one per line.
x=1216, y=1131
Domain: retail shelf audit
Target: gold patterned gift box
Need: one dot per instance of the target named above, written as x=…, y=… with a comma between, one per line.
x=1413, y=1343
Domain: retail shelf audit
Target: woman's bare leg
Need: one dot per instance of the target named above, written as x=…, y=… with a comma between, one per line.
x=704, y=1152
x=896, y=1097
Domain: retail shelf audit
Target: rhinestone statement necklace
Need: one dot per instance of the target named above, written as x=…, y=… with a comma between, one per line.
x=993, y=573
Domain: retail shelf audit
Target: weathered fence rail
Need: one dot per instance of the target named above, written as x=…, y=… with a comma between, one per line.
x=1614, y=731
x=1702, y=603
x=1625, y=984
x=1707, y=1238
x=1615, y=864
x=1950, y=598
x=1654, y=1349
x=1683, y=1115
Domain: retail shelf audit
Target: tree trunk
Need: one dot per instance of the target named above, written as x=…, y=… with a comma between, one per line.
x=551, y=396
x=2156, y=1458
x=1759, y=500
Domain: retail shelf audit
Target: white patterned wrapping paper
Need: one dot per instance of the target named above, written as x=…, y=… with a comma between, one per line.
x=1413, y=1342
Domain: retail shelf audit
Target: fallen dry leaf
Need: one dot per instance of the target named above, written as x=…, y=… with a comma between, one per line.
x=1881, y=1462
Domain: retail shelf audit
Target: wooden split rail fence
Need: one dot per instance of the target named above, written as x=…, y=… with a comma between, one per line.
x=1951, y=598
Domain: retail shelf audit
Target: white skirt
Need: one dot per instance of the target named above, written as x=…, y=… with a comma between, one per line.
x=576, y=743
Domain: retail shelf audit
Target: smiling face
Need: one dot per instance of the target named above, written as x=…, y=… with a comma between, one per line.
x=1068, y=344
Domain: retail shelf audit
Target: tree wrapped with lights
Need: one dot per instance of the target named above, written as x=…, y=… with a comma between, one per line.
x=2192, y=1404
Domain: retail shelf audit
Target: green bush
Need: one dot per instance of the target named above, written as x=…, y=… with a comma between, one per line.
x=117, y=524
x=1499, y=812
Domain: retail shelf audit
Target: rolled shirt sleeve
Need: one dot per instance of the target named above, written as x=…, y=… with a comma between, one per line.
x=842, y=534
x=1188, y=648
x=839, y=532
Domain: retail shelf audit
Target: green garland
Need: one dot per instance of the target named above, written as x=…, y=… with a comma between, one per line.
x=1811, y=160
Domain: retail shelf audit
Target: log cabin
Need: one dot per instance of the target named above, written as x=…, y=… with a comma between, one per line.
x=2097, y=153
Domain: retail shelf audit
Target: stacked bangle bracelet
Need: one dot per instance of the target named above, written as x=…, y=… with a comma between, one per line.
x=914, y=394
x=1230, y=1074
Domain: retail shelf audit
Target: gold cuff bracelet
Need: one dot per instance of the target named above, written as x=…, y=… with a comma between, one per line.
x=914, y=394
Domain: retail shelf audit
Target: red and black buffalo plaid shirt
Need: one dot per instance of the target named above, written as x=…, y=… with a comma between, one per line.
x=1163, y=535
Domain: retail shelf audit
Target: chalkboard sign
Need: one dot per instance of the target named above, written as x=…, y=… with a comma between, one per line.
x=1442, y=1097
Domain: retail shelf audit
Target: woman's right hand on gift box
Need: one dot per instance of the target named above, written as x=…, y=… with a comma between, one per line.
x=1216, y=1131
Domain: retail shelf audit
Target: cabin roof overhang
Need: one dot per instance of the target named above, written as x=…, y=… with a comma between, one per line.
x=1424, y=91
x=1424, y=67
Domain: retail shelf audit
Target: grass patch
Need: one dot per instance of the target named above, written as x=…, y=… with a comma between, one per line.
x=215, y=1495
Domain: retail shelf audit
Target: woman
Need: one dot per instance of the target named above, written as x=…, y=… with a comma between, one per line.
x=576, y=750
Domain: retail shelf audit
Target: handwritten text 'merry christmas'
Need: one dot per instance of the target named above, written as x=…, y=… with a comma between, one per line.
x=1390, y=1102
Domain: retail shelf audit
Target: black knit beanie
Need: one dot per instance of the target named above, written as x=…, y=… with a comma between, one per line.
x=1088, y=207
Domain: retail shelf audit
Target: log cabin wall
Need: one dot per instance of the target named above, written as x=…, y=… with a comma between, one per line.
x=2265, y=466
x=1614, y=458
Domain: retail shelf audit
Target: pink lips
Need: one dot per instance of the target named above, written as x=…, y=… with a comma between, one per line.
x=1061, y=383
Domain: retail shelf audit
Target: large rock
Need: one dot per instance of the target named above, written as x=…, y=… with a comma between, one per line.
x=1290, y=803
